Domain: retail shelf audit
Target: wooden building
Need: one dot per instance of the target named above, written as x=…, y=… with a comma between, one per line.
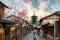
x=2, y=9
x=13, y=18
x=6, y=26
x=17, y=28
x=48, y=22
x=5, y=29
x=20, y=30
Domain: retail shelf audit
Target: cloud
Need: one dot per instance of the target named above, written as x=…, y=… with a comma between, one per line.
x=43, y=6
x=26, y=1
x=16, y=1
x=35, y=3
x=48, y=4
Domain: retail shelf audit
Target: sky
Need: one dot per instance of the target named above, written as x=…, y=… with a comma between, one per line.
x=40, y=7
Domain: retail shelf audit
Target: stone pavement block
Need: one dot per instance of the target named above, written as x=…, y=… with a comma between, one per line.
x=49, y=37
x=30, y=37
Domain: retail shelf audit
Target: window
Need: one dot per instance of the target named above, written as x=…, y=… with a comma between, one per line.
x=0, y=37
x=0, y=26
x=0, y=16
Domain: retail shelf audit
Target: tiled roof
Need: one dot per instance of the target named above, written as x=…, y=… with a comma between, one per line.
x=7, y=21
x=2, y=4
x=55, y=13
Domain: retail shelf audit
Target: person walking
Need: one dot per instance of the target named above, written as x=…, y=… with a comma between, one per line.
x=38, y=29
x=34, y=34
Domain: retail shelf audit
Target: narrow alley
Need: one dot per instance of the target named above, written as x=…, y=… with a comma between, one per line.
x=30, y=37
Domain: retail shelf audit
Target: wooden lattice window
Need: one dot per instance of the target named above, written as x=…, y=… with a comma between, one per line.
x=1, y=16
x=0, y=37
x=0, y=25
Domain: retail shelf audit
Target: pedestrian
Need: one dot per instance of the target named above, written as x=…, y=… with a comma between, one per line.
x=34, y=35
x=44, y=35
x=34, y=38
x=38, y=31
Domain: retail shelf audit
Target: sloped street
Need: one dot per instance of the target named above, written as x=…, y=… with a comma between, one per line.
x=30, y=37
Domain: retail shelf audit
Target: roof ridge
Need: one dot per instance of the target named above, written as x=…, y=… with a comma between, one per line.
x=2, y=4
x=55, y=13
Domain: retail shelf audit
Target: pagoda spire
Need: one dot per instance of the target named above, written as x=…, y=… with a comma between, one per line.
x=34, y=13
x=34, y=18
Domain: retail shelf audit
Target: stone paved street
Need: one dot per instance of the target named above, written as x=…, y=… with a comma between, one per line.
x=30, y=37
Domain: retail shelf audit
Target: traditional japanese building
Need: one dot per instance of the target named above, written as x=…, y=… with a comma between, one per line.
x=17, y=28
x=51, y=18
x=6, y=29
x=13, y=18
x=2, y=9
x=23, y=26
x=5, y=25
x=48, y=22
